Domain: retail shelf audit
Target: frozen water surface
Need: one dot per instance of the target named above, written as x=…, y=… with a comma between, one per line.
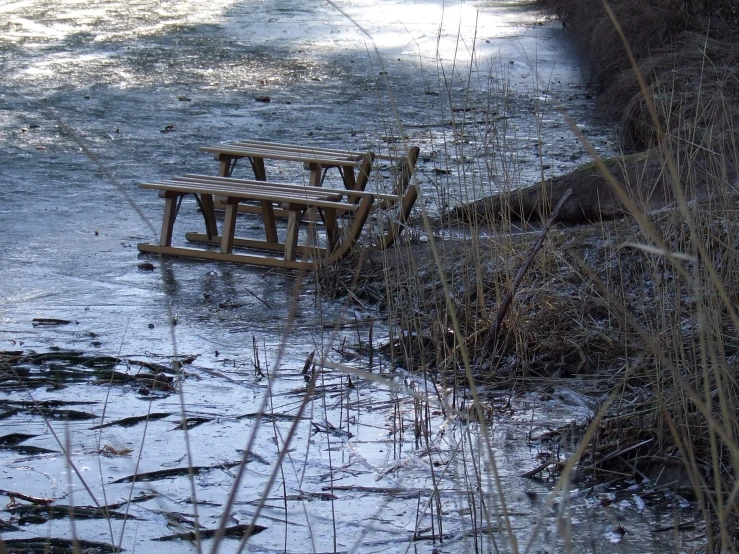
x=368, y=468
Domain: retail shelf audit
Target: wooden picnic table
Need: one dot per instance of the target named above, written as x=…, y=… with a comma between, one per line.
x=295, y=199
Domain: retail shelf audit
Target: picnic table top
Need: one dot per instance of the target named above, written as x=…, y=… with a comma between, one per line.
x=292, y=152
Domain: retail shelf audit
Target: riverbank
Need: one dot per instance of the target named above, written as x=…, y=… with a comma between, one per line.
x=643, y=308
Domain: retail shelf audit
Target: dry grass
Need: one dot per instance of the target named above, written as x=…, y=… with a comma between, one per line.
x=655, y=327
x=687, y=53
x=644, y=308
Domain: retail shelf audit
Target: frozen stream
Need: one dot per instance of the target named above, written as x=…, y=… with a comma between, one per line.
x=369, y=468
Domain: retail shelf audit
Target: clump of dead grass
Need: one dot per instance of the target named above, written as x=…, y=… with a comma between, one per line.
x=644, y=309
x=687, y=53
x=656, y=328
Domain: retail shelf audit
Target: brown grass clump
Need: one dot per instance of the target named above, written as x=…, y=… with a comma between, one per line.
x=686, y=51
x=655, y=328
x=642, y=312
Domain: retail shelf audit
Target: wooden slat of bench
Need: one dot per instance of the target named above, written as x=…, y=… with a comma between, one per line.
x=231, y=192
x=284, y=156
x=243, y=192
x=306, y=154
x=296, y=148
x=267, y=151
x=306, y=191
x=303, y=148
x=308, y=188
x=254, y=259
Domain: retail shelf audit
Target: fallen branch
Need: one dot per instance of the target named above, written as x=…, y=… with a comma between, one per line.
x=541, y=467
x=28, y=498
x=494, y=332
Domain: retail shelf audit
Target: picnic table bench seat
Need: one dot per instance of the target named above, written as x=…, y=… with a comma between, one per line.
x=295, y=199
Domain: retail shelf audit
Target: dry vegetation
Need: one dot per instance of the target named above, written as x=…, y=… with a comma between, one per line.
x=686, y=50
x=642, y=308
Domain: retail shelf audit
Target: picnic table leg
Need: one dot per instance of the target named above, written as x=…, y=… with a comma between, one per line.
x=268, y=212
x=224, y=170
x=315, y=174
x=268, y=216
x=314, y=181
x=294, y=216
x=170, y=213
x=209, y=213
x=260, y=173
x=229, y=225
x=332, y=235
x=350, y=181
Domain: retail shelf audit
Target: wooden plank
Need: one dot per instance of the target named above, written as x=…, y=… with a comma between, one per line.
x=268, y=217
x=236, y=152
x=250, y=195
x=190, y=177
x=170, y=213
x=253, y=259
x=299, y=148
x=295, y=147
x=229, y=226
x=241, y=242
x=259, y=186
x=209, y=212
